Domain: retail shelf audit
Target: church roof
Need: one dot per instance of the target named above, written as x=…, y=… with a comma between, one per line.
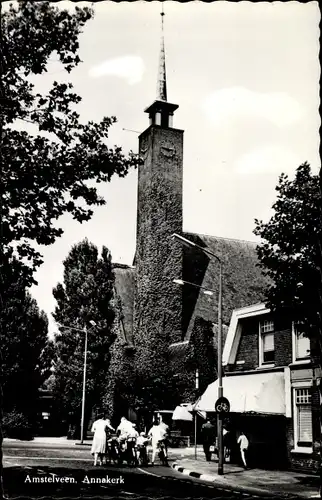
x=243, y=281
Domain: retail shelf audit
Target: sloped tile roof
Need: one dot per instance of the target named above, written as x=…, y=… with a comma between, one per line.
x=243, y=281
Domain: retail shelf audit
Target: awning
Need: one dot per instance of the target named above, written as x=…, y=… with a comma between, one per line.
x=182, y=413
x=255, y=392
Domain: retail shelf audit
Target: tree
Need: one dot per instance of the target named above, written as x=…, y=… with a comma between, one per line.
x=45, y=174
x=290, y=253
x=319, y=267
x=26, y=359
x=86, y=295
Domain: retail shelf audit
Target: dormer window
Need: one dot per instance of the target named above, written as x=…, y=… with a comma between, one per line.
x=266, y=343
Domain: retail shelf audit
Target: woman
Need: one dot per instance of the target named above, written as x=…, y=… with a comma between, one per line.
x=99, y=428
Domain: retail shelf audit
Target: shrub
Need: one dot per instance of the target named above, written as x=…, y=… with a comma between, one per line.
x=15, y=425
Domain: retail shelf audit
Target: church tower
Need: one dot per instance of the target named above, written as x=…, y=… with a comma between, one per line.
x=158, y=302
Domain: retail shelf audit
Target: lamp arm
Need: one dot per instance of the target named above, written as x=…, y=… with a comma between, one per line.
x=190, y=243
x=205, y=250
x=209, y=253
x=184, y=282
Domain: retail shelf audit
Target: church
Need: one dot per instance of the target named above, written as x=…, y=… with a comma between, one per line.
x=165, y=333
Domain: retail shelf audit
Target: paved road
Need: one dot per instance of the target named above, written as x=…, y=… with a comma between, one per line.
x=36, y=471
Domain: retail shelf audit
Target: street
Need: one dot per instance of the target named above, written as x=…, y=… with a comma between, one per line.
x=35, y=470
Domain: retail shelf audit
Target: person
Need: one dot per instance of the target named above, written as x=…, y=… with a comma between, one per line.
x=163, y=424
x=243, y=443
x=124, y=431
x=167, y=432
x=157, y=434
x=142, y=443
x=72, y=427
x=208, y=438
x=129, y=446
x=142, y=440
x=124, y=428
x=132, y=432
x=99, y=428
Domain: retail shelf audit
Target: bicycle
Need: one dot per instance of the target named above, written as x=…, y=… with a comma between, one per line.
x=162, y=453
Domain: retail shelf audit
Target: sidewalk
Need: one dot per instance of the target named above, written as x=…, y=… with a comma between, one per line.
x=257, y=481
x=61, y=442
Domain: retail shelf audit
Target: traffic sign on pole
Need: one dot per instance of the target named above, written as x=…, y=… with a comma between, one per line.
x=222, y=405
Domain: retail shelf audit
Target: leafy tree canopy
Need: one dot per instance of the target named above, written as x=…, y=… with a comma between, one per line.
x=290, y=253
x=85, y=296
x=26, y=350
x=45, y=174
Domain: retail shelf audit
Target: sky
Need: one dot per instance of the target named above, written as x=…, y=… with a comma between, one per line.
x=245, y=76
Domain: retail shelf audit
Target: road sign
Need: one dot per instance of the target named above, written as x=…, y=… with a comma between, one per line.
x=222, y=405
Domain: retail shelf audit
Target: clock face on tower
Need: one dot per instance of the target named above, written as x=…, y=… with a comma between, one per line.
x=162, y=147
x=168, y=150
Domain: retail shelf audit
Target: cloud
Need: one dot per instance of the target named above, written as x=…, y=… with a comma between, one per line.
x=129, y=67
x=268, y=159
x=237, y=102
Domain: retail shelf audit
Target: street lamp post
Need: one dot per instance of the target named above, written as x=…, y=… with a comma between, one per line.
x=206, y=291
x=189, y=243
x=84, y=330
x=219, y=368
x=195, y=413
x=84, y=387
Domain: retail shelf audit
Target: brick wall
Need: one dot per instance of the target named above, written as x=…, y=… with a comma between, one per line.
x=283, y=341
x=248, y=349
x=283, y=347
x=303, y=463
x=316, y=420
x=248, y=345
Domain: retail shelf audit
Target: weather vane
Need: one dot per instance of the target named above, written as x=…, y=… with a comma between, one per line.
x=162, y=14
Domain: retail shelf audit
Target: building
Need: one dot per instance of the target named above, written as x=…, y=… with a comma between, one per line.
x=273, y=388
x=164, y=332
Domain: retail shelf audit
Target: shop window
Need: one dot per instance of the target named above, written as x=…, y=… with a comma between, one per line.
x=303, y=418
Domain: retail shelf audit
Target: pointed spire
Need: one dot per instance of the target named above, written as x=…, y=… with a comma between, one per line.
x=161, y=111
x=162, y=79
